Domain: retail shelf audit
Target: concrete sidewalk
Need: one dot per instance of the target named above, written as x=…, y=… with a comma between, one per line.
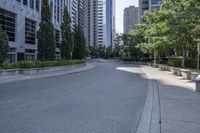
x=9, y=79
x=176, y=106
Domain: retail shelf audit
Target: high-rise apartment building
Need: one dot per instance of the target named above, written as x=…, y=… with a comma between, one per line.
x=81, y=15
x=74, y=13
x=20, y=20
x=148, y=5
x=154, y=4
x=131, y=18
x=91, y=22
x=101, y=23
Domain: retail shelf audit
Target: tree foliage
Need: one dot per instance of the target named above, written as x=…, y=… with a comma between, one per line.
x=79, y=43
x=174, y=27
x=67, y=43
x=45, y=35
x=4, y=47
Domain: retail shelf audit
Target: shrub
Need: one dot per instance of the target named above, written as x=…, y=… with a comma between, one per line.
x=176, y=62
x=191, y=63
x=39, y=64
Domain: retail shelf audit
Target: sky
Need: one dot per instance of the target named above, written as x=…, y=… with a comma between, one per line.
x=120, y=6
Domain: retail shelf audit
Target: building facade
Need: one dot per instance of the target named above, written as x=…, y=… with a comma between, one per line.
x=91, y=22
x=20, y=20
x=81, y=15
x=131, y=18
x=154, y=4
x=148, y=5
x=110, y=23
x=101, y=23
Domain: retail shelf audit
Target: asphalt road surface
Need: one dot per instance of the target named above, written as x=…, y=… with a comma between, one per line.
x=107, y=99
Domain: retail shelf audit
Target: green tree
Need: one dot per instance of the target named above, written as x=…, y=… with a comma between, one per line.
x=45, y=35
x=117, y=46
x=181, y=25
x=109, y=52
x=79, y=43
x=67, y=43
x=94, y=52
x=4, y=47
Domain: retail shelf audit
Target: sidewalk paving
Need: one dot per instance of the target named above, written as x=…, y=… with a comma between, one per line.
x=179, y=104
x=9, y=79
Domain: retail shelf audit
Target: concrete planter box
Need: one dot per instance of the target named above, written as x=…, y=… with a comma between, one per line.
x=194, y=75
x=162, y=67
x=178, y=72
x=33, y=71
x=150, y=64
x=11, y=72
x=185, y=73
x=173, y=70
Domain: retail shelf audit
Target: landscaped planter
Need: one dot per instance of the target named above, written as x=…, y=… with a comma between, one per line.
x=185, y=73
x=11, y=72
x=33, y=71
x=178, y=73
x=194, y=75
x=173, y=70
x=162, y=67
x=150, y=64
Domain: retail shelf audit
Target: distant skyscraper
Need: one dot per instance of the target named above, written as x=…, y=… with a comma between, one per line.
x=148, y=5
x=101, y=23
x=110, y=22
x=154, y=4
x=74, y=12
x=81, y=15
x=131, y=18
x=91, y=22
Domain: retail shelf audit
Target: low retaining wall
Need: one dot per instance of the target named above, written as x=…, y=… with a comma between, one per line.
x=180, y=72
x=174, y=70
x=33, y=71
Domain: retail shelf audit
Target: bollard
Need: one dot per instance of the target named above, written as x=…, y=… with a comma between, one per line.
x=198, y=84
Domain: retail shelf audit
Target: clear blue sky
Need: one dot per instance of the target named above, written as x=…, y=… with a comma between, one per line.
x=120, y=6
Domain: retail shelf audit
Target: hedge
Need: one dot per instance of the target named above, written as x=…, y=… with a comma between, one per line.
x=39, y=64
x=176, y=62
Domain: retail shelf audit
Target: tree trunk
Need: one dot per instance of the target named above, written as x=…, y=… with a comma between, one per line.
x=184, y=56
x=168, y=57
x=154, y=58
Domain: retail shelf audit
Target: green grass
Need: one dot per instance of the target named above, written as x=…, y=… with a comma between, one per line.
x=40, y=64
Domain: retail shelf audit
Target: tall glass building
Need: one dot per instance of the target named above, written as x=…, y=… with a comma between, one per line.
x=110, y=22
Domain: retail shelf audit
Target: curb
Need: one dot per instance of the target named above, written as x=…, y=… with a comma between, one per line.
x=35, y=71
x=150, y=121
x=79, y=69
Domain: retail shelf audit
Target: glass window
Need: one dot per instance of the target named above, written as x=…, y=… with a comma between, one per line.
x=30, y=31
x=57, y=35
x=25, y=2
x=7, y=22
x=37, y=5
x=32, y=4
